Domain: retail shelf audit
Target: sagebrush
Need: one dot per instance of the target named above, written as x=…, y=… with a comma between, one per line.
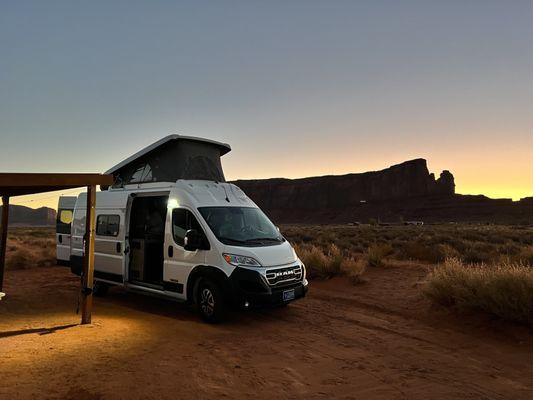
x=505, y=291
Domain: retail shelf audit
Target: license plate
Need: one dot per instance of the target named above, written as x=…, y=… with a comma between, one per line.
x=288, y=295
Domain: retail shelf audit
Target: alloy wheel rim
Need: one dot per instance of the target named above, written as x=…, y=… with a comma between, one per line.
x=207, y=302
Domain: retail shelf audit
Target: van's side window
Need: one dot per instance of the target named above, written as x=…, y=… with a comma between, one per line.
x=182, y=221
x=107, y=225
x=64, y=220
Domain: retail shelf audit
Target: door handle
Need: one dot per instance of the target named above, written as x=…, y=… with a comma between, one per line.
x=170, y=251
x=119, y=248
x=60, y=238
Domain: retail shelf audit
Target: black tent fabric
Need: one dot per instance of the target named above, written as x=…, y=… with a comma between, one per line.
x=179, y=158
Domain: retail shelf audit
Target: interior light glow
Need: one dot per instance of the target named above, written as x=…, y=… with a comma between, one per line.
x=172, y=203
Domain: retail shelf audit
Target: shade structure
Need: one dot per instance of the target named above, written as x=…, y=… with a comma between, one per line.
x=18, y=184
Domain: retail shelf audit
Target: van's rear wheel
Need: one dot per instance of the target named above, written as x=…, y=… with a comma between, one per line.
x=211, y=302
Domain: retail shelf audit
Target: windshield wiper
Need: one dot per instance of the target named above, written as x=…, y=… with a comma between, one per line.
x=227, y=239
x=264, y=239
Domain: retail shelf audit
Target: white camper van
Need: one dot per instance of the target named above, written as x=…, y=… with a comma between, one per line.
x=65, y=211
x=172, y=226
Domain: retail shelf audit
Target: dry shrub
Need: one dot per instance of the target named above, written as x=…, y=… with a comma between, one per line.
x=325, y=265
x=29, y=248
x=335, y=260
x=526, y=256
x=354, y=269
x=21, y=258
x=321, y=265
x=314, y=259
x=428, y=252
x=477, y=253
x=377, y=252
x=505, y=291
x=473, y=243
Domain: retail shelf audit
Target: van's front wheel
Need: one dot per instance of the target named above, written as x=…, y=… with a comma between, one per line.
x=211, y=302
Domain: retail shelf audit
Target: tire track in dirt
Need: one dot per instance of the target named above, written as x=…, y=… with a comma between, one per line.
x=330, y=320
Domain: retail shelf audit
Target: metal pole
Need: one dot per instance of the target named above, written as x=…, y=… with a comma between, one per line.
x=88, y=259
x=3, y=238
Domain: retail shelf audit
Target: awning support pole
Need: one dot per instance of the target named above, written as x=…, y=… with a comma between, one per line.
x=3, y=238
x=88, y=259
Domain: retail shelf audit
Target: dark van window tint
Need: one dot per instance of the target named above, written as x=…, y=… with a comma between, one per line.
x=64, y=221
x=182, y=221
x=107, y=225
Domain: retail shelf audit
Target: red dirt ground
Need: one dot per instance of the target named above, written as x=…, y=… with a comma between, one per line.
x=378, y=340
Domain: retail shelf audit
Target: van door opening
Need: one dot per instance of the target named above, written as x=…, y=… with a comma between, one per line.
x=147, y=239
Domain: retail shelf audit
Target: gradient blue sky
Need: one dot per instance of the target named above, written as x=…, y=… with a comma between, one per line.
x=298, y=88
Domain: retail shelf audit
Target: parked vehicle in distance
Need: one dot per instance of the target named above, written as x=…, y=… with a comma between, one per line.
x=65, y=211
x=171, y=226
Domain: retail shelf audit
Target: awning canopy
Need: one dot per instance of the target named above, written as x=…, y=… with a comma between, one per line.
x=19, y=184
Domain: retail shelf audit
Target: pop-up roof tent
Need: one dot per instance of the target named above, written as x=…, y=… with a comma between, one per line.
x=171, y=158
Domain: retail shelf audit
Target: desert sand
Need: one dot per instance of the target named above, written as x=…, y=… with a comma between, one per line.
x=377, y=340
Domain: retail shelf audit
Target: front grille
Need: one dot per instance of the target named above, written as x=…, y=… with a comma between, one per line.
x=284, y=275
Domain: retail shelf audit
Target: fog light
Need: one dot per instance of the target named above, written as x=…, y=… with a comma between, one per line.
x=246, y=304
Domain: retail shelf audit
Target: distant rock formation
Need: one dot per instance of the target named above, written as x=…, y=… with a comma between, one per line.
x=446, y=183
x=20, y=215
x=408, y=179
x=403, y=191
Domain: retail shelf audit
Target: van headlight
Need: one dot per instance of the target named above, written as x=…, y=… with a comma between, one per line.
x=237, y=260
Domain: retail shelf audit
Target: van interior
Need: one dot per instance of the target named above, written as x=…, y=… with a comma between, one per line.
x=146, y=240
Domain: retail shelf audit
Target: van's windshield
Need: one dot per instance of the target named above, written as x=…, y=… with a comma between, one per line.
x=241, y=226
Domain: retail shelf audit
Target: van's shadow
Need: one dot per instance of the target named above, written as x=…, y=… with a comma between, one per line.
x=147, y=304
x=181, y=311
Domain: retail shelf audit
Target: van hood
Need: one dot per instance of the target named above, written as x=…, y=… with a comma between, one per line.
x=268, y=256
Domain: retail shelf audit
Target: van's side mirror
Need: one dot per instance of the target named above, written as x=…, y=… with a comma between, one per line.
x=193, y=240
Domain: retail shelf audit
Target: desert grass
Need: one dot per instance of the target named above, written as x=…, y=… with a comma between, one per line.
x=342, y=250
x=377, y=253
x=30, y=247
x=429, y=244
x=322, y=264
x=504, y=291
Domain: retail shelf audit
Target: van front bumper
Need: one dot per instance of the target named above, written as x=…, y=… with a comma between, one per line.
x=249, y=289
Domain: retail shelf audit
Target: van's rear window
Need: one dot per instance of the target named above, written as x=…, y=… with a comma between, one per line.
x=64, y=221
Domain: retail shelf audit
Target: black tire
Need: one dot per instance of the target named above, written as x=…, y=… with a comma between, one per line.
x=100, y=289
x=211, y=302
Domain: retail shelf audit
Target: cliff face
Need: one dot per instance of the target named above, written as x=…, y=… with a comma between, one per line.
x=408, y=179
x=20, y=215
x=403, y=191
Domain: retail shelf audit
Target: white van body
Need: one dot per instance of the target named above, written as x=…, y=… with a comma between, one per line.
x=143, y=243
x=65, y=210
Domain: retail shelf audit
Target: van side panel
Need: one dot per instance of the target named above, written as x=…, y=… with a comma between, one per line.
x=110, y=244
x=109, y=238
x=63, y=238
x=65, y=211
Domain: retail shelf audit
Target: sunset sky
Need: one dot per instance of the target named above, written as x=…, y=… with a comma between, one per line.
x=298, y=88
